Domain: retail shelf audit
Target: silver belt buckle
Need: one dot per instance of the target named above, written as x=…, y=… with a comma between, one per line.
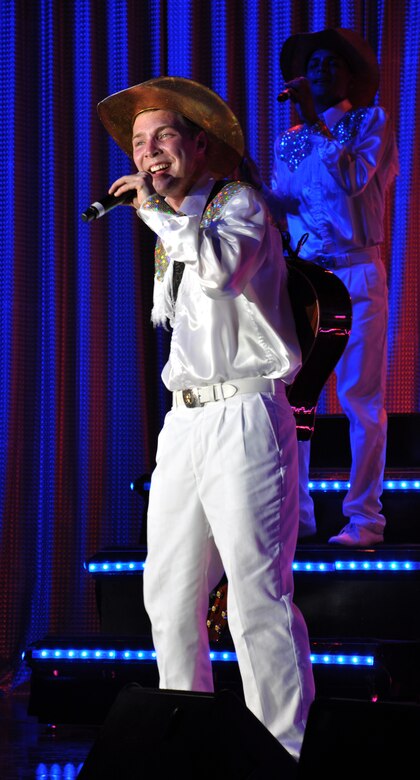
x=190, y=398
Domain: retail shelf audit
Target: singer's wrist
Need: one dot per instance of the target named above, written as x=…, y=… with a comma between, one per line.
x=320, y=128
x=156, y=202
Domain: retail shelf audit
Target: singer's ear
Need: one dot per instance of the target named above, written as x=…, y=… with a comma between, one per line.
x=202, y=141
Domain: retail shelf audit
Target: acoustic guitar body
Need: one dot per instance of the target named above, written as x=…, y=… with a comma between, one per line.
x=323, y=315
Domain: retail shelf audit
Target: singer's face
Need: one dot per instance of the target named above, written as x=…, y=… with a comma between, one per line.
x=329, y=77
x=166, y=148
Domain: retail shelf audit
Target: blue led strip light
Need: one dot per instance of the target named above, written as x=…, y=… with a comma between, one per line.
x=7, y=177
x=67, y=771
x=123, y=391
x=380, y=16
x=317, y=15
x=129, y=655
x=342, y=660
x=337, y=485
x=219, y=47
x=347, y=14
x=403, y=186
x=97, y=654
x=82, y=163
x=47, y=350
x=179, y=22
x=155, y=37
x=318, y=567
x=253, y=118
x=113, y=567
x=278, y=119
x=130, y=567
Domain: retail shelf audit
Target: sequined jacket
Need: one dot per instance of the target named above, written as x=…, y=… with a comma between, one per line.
x=331, y=182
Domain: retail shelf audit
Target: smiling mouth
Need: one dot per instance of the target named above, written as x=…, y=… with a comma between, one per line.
x=159, y=167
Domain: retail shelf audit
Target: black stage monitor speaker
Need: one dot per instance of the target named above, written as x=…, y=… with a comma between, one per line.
x=152, y=733
x=360, y=739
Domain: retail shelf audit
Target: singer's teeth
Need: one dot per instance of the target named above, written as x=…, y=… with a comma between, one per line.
x=161, y=167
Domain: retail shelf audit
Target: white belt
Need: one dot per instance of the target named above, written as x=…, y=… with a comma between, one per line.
x=348, y=259
x=198, y=396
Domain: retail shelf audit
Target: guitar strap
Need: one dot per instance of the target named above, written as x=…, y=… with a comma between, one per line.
x=178, y=266
x=293, y=254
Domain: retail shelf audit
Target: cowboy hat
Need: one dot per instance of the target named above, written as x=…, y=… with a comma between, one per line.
x=193, y=100
x=348, y=44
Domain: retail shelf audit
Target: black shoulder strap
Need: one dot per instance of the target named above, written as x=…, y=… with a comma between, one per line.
x=178, y=266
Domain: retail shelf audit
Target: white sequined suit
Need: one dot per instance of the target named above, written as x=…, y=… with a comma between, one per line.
x=334, y=190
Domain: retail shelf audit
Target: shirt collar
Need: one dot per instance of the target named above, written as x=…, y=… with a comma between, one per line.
x=335, y=113
x=196, y=199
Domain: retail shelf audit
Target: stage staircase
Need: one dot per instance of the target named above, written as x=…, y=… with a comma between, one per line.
x=362, y=607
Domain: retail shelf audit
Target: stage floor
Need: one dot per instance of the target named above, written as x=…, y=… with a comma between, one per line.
x=33, y=751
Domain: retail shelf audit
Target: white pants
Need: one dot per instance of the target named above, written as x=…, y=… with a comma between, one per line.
x=361, y=383
x=223, y=496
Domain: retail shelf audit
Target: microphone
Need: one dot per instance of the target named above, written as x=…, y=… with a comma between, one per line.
x=285, y=95
x=101, y=207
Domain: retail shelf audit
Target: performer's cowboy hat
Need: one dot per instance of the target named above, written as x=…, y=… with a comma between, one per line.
x=193, y=100
x=349, y=45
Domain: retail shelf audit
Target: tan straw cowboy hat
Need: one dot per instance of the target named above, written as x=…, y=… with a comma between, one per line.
x=359, y=56
x=193, y=100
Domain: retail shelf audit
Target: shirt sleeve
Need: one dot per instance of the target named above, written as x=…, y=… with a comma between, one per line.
x=226, y=250
x=353, y=164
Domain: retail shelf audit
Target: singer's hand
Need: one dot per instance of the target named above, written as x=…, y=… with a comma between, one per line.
x=141, y=182
x=301, y=95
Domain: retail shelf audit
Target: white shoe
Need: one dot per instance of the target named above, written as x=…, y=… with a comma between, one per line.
x=356, y=535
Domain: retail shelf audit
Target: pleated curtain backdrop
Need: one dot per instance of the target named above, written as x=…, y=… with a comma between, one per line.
x=80, y=390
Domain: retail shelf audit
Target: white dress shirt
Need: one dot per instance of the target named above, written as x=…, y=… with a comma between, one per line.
x=232, y=317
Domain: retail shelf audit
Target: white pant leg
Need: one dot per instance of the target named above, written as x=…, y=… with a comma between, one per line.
x=307, y=523
x=361, y=379
x=182, y=565
x=249, y=492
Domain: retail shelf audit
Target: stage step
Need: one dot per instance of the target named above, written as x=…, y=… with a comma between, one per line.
x=361, y=607
x=329, y=476
x=76, y=679
x=330, y=446
x=341, y=592
x=330, y=466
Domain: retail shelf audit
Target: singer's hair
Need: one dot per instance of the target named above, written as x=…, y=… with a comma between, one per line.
x=190, y=125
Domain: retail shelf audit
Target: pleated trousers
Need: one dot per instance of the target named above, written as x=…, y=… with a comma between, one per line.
x=224, y=497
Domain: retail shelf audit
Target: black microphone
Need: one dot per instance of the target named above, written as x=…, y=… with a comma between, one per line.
x=285, y=95
x=101, y=207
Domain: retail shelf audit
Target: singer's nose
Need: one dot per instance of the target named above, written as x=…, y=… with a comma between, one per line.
x=151, y=148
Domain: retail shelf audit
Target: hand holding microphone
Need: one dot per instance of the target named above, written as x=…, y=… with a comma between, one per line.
x=299, y=92
x=129, y=188
x=286, y=94
x=100, y=207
